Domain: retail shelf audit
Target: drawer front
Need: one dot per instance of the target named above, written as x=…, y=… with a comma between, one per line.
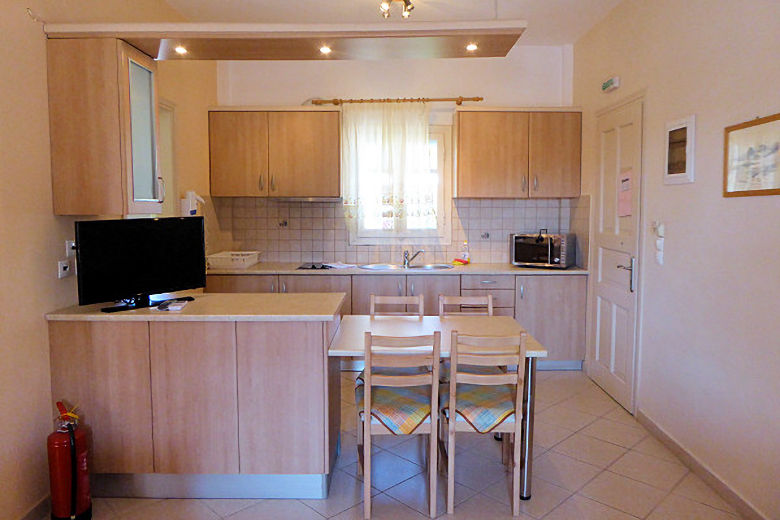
x=504, y=311
x=475, y=281
x=501, y=297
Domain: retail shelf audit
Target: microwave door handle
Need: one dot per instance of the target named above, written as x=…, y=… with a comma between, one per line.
x=550, y=250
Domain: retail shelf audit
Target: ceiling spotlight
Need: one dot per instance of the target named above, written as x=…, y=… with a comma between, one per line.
x=384, y=7
x=408, y=5
x=471, y=47
x=405, y=13
x=325, y=50
x=180, y=49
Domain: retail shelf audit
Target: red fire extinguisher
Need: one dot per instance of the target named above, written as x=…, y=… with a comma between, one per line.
x=68, y=472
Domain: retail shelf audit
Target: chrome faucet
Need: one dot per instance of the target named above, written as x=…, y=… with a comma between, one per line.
x=408, y=260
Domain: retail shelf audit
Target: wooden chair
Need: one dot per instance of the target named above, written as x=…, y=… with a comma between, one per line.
x=477, y=305
x=397, y=300
x=373, y=419
x=469, y=356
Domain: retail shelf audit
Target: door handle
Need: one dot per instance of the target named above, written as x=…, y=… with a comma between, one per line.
x=262, y=182
x=273, y=182
x=536, y=183
x=488, y=282
x=273, y=289
x=284, y=287
x=399, y=289
x=525, y=184
x=630, y=269
x=412, y=289
x=522, y=292
x=161, y=182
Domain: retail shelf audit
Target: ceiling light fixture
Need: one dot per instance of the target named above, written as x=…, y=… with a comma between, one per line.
x=181, y=50
x=471, y=47
x=384, y=7
x=325, y=50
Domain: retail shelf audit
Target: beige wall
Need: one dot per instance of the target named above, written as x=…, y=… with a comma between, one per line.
x=710, y=355
x=32, y=239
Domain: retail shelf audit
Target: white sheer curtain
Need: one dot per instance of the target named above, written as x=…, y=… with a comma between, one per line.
x=387, y=185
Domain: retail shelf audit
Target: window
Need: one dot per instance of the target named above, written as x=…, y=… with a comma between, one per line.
x=397, y=176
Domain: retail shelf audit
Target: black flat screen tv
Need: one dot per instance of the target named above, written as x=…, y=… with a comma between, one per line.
x=129, y=260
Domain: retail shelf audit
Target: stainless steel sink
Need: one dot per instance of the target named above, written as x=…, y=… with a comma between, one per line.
x=381, y=267
x=431, y=267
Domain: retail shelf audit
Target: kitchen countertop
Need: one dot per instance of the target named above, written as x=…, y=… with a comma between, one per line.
x=477, y=269
x=221, y=307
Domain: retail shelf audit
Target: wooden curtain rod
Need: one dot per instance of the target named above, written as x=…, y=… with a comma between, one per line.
x=457, y=100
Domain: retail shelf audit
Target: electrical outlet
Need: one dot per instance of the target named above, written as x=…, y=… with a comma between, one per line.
x=65, y=268
x=70, y=248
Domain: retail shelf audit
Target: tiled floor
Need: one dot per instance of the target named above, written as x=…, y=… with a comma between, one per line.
x=592, y=460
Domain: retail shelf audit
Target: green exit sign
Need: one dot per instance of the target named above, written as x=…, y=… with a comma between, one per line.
x=611, y=84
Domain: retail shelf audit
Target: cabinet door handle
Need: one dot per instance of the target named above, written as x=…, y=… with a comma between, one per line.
x=522, y=291
x=273, y=289
x=412, y=289
x=284, y=287
x=525, y=184
x=273, y=182
x=488, y=282
x=399, y=289
x=161, y=182
x=536, y=183
x=262, y=182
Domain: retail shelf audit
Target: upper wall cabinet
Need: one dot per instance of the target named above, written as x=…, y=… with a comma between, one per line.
x=104, y=128
x=275, y=154
x=554, y=154
x=514, y=154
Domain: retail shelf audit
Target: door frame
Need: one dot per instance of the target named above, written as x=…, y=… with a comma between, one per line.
x=638, y=96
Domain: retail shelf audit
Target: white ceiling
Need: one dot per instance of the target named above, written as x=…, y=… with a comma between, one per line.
x=550, y=22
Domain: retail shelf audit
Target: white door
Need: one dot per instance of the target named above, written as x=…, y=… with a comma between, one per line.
x=612, y=345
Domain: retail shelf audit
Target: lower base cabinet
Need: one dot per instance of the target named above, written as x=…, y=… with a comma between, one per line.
x=552, y=310
x=431, y=286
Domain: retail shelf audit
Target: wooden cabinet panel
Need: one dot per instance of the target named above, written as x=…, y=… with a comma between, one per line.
x=431, y=286
x=104, y=369
x=239, y=283
x=364, y=285
x=478, y=281
x=194, y=397
x=318, y=283
x=501, y=297
x=552, y=309
x=304, y=154
x=492, y=154
x=238, y=148
x=554, y=154
x=282, y=397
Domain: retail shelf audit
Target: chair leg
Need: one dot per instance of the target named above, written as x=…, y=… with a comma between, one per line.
x=516, y=478
x=451, y=470
x=367, y=471
x=360, y=446
x=506, y=453
x=433, y=473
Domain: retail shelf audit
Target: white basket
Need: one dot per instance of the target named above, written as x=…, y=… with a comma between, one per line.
x=233, y=259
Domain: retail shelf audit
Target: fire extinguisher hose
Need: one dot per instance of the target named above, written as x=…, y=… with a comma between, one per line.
x=73, y=471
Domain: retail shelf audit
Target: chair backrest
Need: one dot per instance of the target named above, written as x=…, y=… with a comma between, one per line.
x=476, y=305
x=403, y=352
x=417, y=301
x=492, y=351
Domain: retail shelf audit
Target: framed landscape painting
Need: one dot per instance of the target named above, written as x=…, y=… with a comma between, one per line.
x=752, y=158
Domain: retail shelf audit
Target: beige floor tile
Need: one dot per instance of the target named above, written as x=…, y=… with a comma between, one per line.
x=101, y=510
x=544, y=496
x=484, y=445
x=565, y=417
x=345, y=491
x=475, y=471
x=580, y=508
x=548, y=435
x=388, y=441
x=273, y=509
x=623, y=493
x=414, y=449
x=650, y=470
x=590, y=449
x=173, y=509
x=383, y=507
x=121, y=506
x=483, y=507
x=228, y=506
x=697, y=490
x=414, y=493
x=616, y=433
x=564, y=471
x=348, y=417
x=623, y=417
x=676, y=507
x=348, y=451
x=387, y=470
x=594, y=402
x=651, y=446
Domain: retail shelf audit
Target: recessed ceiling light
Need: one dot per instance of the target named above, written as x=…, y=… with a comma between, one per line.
x=180, y=49
x=471, y=47
x=325, y=49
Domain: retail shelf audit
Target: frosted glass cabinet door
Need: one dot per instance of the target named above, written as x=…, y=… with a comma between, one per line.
x=143, y=126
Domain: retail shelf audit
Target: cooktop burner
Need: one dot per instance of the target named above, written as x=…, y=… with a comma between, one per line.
x=314, y=266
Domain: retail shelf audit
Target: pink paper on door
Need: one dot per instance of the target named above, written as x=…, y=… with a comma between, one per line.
x=625, y=193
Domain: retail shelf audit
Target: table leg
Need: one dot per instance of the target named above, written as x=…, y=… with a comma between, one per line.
x=527, y=428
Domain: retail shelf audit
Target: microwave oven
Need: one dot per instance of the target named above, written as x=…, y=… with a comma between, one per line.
x=551, y=251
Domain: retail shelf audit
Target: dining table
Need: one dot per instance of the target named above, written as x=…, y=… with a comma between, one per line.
x=349, y=341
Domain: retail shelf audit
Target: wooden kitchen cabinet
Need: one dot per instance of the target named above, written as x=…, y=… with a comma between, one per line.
x=554, y=154
x=193, y=367
x=492, y=155
x=242, y=283
x=304, y=154
x=103, y=128
x=103, y=368
x=552, y=309
x=431, y=286
x=318, y=283
x=364, y=285
x=238, y=151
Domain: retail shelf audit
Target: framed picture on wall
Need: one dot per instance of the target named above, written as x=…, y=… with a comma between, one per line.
x=680, y=150
x=752, y=158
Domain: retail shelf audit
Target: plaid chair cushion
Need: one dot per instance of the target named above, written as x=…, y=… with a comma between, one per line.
x=482, y=406
x=400, y=410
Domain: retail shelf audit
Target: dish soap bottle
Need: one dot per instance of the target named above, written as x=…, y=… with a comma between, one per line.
x=465, y=257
